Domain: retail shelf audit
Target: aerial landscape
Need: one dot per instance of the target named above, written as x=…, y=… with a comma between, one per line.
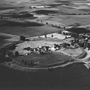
x=45, y=36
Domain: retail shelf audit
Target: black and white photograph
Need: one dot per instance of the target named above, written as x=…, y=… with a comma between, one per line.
x=44, y=44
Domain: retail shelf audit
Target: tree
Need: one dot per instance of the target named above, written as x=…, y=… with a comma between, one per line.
x=16, y=53
x=12, y=47
x=22, y=38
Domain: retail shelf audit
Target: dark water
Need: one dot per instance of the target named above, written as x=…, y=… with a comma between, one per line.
x=74, y=77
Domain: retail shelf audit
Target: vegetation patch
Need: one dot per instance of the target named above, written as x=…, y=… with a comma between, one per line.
x=45, y=12
x=79, y=30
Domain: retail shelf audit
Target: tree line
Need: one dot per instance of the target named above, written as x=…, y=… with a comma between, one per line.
x=76, y=13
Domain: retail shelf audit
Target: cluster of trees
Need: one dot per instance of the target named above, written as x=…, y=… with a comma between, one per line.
x=76, y=14
x=28, y=63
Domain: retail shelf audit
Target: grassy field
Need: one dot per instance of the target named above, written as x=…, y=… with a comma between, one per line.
x=28, y=30
x=73, y=20
x=45, y=60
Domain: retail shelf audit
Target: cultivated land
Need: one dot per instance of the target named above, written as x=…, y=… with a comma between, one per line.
x=39, y=35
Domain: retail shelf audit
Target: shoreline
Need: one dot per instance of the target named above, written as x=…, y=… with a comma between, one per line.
x=34, y=69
